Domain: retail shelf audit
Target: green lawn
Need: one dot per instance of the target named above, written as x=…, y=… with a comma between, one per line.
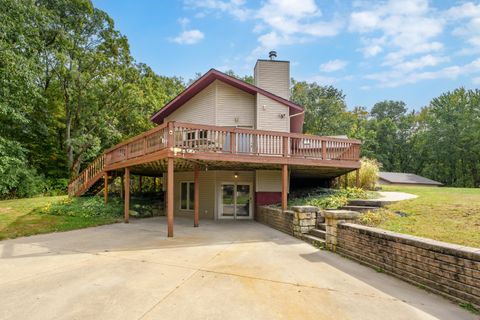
x=24, y=217
x=445, y=214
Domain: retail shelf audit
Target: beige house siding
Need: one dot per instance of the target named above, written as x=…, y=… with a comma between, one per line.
x=209, y=182
x=268, y=181
x=273, y=76
x=269, y=115
x=234, y=103
x=207, y=197
x=200, y=109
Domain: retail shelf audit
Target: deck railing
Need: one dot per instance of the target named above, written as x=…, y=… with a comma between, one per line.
x=191, y=138
x=82, y=180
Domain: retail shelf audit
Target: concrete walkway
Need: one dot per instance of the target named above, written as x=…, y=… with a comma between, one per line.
x=222, y=270
x=393, y=196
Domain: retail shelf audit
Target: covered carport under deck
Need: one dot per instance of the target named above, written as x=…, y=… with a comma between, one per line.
x=186, y=147
x=168, y=166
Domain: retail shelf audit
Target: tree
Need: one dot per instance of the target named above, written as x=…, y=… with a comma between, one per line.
x=325, y=108
x=68, y=89
x=390, y=109
x=452, y=138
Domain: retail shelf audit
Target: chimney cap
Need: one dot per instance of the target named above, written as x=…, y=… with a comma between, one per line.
x=272, y=54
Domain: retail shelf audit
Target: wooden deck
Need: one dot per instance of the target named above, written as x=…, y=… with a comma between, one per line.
x=220, y=148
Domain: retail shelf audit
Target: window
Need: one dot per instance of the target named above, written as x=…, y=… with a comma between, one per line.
x=197, y=134
x=187, y=195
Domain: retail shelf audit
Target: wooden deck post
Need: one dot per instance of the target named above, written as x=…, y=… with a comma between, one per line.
x=284, y=187
x=122, y=186
x=105, y=186
x=127, y=194
x=140, y=184
x=196, y=196
x=345, y=183
x=357, y=178
x=170, y=196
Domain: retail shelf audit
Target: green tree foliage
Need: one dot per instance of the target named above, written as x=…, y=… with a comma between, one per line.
x=325, y=108
x=451, y=138
x=441, y=141
x=69, y=88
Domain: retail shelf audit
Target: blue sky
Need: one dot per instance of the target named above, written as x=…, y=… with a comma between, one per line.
x=410, y=50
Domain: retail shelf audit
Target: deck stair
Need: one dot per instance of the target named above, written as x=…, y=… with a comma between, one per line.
x=91, y=180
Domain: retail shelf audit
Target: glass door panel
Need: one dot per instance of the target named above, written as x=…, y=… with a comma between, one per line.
x=236, y=201
x=243, y=201
x=228, y=200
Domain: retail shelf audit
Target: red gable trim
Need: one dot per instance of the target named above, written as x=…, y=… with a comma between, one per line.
x=204, y=81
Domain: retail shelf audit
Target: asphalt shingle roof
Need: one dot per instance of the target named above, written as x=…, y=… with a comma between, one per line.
x=398, y=177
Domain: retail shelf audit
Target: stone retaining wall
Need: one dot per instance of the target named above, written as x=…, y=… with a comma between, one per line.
x=450, y=270
x=295, y=222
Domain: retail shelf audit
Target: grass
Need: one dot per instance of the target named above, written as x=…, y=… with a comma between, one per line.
x=444, y=214
x=25, y=217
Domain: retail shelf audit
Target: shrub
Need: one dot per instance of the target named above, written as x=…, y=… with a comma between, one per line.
x=85, y=207
x=56, y=187
x=368, y=175
x=18, y=179
x=374, y=218
x=353, y=193
x=330, y=202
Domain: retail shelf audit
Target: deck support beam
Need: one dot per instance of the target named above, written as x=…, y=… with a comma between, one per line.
x=345, y=186
x=126, y=210
x=140, y=184
x=170, y=197
x=105, y=187
x=196, y=196
x=284, y=187
x=122, y=186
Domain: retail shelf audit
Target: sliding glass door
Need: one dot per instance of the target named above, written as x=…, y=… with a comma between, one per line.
x=236, y=201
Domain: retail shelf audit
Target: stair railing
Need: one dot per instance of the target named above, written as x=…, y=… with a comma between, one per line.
x=84, y=179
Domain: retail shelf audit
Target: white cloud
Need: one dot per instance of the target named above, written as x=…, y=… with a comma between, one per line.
x=364, y=21
x=407, y=27
x=333, y=65
x=235, y=8
x=395, y=78
x=277, y=22
x=476, y=81
x=323, y=80
x=327, y=80
x=420, y=63
x=467, y=19
x=183, y=22
x=292, y=17
x=189, y=37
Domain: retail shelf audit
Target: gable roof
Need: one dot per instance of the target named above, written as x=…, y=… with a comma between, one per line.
x=406, y=178
x=205, y=81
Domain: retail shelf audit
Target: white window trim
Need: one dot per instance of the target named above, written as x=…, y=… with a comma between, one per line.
x=188, y=196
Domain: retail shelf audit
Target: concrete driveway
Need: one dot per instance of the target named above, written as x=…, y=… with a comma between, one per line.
x=222, y=270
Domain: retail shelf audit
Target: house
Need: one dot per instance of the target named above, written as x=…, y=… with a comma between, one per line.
x=410, y=179
x=224, y=146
